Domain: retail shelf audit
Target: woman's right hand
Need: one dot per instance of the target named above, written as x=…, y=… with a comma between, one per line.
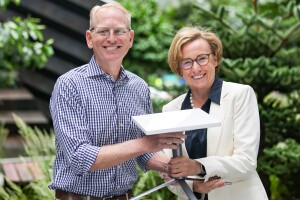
x=206, y=187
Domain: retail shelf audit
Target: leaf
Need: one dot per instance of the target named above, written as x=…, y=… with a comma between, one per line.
x=296, y=12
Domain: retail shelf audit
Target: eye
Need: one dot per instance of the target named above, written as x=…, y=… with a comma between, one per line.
x=103, y=31
x=186, y=63
x=201, y=59
x=119, y=31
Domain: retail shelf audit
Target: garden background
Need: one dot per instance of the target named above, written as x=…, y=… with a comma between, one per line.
x=261, y=40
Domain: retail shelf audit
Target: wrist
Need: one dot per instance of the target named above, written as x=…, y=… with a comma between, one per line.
x=202, y=170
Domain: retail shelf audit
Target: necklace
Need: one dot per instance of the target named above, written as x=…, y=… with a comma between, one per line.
x=191, y=101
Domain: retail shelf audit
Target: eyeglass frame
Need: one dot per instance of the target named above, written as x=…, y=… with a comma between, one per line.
x=109, y=29
x=194, y=60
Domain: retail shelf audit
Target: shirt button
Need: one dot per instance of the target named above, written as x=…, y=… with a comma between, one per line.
x=121, y=125
x=119, y=103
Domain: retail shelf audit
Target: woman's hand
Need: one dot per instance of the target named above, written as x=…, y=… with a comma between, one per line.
x=200, y=187
x=183, y=167
x=167, y=178
x=208, y=186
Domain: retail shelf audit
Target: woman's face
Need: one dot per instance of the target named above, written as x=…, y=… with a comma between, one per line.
x=198, y=76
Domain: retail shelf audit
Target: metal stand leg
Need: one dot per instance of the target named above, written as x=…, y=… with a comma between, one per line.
x=181, y=181
x=153, y=189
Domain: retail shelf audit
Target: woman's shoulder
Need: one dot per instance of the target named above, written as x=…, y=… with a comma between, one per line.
x=237, y=90
x=236, y=87
x=175, y=104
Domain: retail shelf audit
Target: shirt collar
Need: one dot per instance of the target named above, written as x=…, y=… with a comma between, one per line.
x=93, y=69
x=215, y=92
x=214, y=95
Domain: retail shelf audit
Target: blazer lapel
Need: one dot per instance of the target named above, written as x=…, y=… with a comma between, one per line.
x=217, y=111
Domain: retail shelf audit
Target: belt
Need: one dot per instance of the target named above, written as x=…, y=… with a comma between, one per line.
x=62, y=195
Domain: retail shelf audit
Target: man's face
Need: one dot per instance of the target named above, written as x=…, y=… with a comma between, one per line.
x=110, y=37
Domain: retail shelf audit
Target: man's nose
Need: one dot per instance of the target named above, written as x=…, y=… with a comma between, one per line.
x=112, y=35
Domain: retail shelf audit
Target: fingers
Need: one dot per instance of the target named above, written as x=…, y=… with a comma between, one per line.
x=215, y=184
x=208, y=186
x=169, y=146
x=182, y=167
x=171, y=138
x=180, y=135
x=176, y=172
x=167, y=178
x=165, y=141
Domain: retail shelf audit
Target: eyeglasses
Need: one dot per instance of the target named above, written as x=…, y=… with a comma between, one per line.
x=188, y=62
x=105, y=32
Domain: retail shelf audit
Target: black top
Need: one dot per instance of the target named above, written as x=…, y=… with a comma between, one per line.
x=196, y=141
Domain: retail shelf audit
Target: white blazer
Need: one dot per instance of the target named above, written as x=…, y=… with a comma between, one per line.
x=232, y=148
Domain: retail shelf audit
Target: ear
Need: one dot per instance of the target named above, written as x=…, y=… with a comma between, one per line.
x=216, y=62
x=180, y=71
x=131, y=38
x=88, y=37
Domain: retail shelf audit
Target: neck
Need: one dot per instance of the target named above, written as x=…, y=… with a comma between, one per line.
x=197, y=102
x=113, y=70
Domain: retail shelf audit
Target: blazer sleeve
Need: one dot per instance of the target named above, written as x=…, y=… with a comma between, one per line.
x=239, y=138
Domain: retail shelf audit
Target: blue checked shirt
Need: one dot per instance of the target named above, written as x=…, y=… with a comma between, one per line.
x=89, y=110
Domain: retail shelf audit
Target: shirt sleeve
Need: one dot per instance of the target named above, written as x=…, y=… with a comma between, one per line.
x=143, y=159
x=70, y=127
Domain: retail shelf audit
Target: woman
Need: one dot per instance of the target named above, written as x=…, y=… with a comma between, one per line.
x=228, y=152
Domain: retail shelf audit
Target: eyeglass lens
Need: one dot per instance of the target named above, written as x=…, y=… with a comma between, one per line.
x=188, y=63
x=106, y=31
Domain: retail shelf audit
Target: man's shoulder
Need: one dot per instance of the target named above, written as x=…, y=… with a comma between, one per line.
x=135, y=77
x=74, y=73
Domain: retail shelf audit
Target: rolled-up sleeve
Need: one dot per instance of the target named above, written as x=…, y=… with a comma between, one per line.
x=70, y=127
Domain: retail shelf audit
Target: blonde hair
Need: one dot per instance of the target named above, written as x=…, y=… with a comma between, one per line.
x=188, y=34
x=117, y=5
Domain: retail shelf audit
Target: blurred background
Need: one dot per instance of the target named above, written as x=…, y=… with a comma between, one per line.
x=42, y=39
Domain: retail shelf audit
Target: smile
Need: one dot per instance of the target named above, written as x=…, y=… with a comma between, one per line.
x=198, y=77
x=112, y=48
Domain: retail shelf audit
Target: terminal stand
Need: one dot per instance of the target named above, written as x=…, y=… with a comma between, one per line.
x=180, y=180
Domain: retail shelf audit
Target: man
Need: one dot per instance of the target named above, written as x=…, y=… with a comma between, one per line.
x=97, y=143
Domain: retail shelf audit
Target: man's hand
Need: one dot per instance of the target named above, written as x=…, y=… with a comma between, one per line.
x=163, y=141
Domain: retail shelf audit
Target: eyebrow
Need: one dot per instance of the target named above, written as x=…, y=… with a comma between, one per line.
x=196, y=56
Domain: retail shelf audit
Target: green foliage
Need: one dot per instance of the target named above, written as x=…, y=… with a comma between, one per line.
x=12, y=192
x=149, y=181
x=4, y=3
x=153, y=34
x=22, y=46
x=39, y=145
x=3, y=136
x=282, y=161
